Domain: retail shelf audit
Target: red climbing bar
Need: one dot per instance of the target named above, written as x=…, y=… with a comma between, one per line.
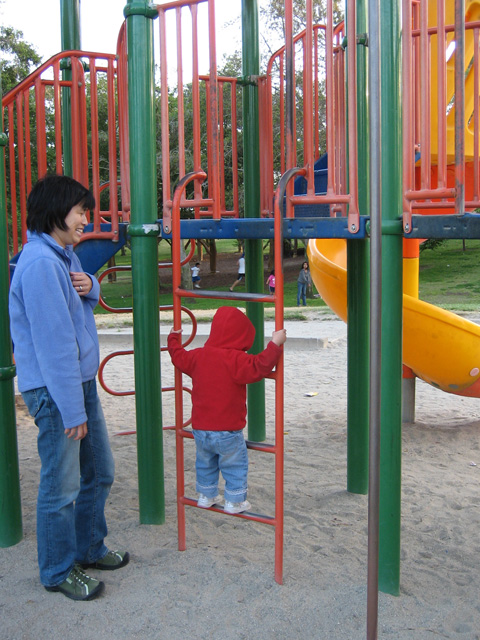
x=460, y=106
x=353, y=213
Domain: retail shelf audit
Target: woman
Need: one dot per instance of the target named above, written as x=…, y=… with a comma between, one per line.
x=303, y=280
x=57, y=357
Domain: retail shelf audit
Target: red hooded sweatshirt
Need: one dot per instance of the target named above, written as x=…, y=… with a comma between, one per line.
x=221, y=369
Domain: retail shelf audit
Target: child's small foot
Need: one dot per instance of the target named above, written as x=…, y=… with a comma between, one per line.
x=206, y=503
x=231, y=289
x=236, y=507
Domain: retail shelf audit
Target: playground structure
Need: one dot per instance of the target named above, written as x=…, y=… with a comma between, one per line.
x=319, y=195
x=438, y=346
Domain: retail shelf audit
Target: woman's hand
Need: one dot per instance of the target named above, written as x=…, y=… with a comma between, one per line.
x=77, y=433
x=82, y=283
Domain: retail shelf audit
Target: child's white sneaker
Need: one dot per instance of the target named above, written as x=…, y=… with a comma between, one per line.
x=206, y=503
x=236, y=507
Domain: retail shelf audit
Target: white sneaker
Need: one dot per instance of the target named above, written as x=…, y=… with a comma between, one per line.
x=236, y=507
x=206, y=503
x=197, y=286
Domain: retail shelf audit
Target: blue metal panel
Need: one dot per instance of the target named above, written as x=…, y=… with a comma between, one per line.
x=445, y=226
x=263, y=228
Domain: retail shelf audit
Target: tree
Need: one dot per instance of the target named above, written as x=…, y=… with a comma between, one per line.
x=17, y=57
x=273, y=18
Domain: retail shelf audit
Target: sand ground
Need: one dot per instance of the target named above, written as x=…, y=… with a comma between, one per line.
x=222, y=586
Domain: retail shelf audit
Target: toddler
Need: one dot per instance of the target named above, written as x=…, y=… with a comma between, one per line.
x=220, y=372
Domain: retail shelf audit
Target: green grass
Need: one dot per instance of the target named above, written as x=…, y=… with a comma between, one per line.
x=119, y=295
x=449, y=278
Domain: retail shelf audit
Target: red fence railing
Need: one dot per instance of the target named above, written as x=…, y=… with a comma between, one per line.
x=206, y=119
x=205, y=123
x=319, y=68
x=441, y=108
x=66, y=114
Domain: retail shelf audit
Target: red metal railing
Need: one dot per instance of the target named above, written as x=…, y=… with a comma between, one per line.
x=34, y=114
x=441, y=108
x=320, y=60
x=206, y=94
x=318, y=57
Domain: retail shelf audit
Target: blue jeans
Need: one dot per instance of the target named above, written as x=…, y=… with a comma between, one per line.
x=302, y=293
x=75, y=481
x=223, y=451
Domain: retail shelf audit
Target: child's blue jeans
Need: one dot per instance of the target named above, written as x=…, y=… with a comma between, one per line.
x=223, y=451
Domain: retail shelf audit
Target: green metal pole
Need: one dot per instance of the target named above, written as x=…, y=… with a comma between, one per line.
x=70, y=35
x=251, y=164
x=70, y=22
x=10, y=503
x=391, y=369
x=358, y=295
x=144, y=243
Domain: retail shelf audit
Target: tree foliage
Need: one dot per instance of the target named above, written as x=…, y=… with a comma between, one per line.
x=273, y=19
x=17, y=57
x=17, y=60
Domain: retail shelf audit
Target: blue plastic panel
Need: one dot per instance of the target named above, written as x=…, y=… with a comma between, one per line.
x=93, y=253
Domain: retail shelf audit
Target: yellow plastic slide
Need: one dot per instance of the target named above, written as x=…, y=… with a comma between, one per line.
x=440, y=347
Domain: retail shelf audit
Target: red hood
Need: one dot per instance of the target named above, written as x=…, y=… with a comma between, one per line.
x=231, y=329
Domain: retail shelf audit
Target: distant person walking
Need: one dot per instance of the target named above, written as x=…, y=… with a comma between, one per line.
x=303, y=280
x=271, y=282
x=196, y=275
x=241, y=272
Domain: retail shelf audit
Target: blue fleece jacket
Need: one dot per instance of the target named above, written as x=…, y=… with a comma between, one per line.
x=53, y=328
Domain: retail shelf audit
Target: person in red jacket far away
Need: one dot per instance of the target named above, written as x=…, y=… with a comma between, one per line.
x=220, y=372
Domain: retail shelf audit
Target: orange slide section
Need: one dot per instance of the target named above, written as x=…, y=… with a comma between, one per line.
x=440, y=347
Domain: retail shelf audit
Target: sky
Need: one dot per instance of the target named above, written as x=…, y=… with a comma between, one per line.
x=100, y=23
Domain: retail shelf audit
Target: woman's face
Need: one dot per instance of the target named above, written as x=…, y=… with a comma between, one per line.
x=75, y=220
x=305, y=265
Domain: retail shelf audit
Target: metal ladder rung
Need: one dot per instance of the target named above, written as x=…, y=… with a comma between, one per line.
x=225, y=295
x=246, y=515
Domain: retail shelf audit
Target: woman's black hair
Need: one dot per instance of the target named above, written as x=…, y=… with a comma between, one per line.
x=51, y=199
